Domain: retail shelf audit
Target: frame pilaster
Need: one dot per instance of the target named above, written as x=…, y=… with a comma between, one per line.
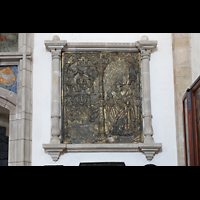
x=149, y=148
x=55, y=46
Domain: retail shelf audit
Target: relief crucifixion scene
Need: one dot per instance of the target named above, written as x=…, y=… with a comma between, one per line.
x=101, y=97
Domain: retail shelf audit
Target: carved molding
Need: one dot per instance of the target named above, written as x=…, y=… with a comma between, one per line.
x=149, y=149
x=56, y=54
x=90, y=148
x=14, y=55
x=54, y=150
x=145, y=54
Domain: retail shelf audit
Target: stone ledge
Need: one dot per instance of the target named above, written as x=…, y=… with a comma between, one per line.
x=149, y=149
x=14, y=55
x=102, y=148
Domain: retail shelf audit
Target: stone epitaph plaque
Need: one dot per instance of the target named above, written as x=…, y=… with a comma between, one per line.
x=101, y=97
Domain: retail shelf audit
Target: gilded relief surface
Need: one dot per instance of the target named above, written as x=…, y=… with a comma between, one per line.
x=101, y=97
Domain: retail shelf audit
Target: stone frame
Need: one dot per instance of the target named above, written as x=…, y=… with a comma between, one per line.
x=55, y=147
x=20, y=104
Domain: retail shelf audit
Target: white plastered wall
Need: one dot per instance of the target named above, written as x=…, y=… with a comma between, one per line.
x=162, y=98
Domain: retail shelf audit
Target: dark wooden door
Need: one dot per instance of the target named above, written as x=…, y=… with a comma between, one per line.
x=3, y=147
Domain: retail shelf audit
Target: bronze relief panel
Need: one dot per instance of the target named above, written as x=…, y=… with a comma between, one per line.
x=101, y=97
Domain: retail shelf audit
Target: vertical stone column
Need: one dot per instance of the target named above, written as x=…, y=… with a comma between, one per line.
x=55, y=46
x=147, y=130
x=55, y=97
x=149, y=148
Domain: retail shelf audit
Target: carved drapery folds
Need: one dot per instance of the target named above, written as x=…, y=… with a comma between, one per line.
x=55, y=147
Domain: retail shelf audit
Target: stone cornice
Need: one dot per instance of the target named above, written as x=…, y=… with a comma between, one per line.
x=146, y=44
x=55, y=44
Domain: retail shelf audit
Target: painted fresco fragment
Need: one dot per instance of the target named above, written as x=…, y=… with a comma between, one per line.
x=8, y=78
x=8, y=42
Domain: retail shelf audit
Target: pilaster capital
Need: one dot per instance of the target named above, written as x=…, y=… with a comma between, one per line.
x=55, y=45
x=145, y=54
x=56, y=54
x=145, y=46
